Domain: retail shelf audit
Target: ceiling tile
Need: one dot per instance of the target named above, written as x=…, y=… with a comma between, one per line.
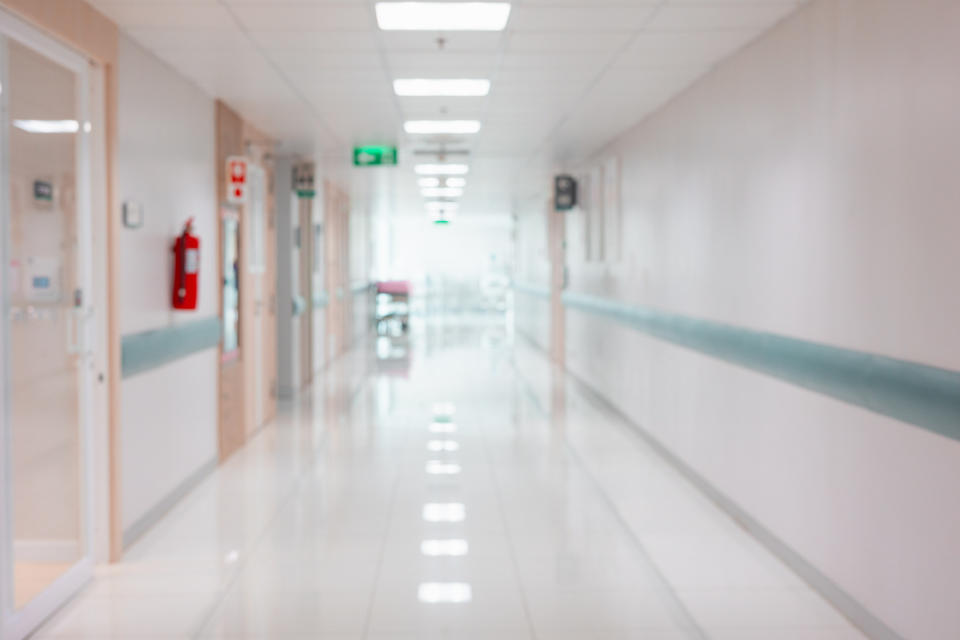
x=547, y=41
x=458, y=41
x=298, y=16
x=667, y=48
x=343, y=42
x=190, y=15
x=705, y=17
x=442, y=108
x=189, y=39
x=442, y=65
x=585, y=18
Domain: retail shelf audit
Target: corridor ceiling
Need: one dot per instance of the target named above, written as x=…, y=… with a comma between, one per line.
x=567, y=75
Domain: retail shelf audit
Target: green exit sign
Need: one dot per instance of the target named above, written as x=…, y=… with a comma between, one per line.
x=374, y=156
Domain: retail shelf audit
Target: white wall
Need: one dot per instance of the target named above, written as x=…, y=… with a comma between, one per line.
x=360, y=262
x=806, y=187
x=164, y=161
x=532, y=313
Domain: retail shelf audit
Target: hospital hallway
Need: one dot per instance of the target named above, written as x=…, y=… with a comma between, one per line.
x=479, y=320
x=480, y=493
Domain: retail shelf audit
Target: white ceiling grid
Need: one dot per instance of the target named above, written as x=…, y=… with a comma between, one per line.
x=568, y=75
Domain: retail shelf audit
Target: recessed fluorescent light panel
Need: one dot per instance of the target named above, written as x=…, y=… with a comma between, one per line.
x=442, y=169
x=443, y=16
x=458, y=183
x=47, y=126
x=429, y=183
x=452, y=127
x=443, y=192
x=454, y=88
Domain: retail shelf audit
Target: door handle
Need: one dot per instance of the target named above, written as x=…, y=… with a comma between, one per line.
x=76, y=326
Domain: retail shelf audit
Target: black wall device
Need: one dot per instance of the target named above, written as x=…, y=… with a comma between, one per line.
x=564, y=193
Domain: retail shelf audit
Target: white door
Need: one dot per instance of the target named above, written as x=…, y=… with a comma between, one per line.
x=296, y=335
x=45, y=335
x=257, y=232
x=317, y=284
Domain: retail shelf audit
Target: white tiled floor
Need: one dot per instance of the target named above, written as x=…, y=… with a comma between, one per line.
x=574, y=528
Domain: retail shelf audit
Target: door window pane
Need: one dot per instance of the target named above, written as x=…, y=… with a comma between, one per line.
x=45, y=320
x=231, y=284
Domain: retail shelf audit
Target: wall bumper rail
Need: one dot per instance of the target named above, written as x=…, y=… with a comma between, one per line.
x=919, y=394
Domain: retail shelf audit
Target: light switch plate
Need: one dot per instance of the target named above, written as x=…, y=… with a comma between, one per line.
x=132, y=214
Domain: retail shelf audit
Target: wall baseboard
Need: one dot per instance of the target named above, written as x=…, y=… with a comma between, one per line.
x=132, y=533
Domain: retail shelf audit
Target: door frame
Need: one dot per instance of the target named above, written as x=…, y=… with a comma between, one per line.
x=256, y=269
x=16, y=624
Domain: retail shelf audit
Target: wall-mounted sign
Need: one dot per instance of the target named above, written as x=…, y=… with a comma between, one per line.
x=303, y=180
x=374, y=156
x=42, y=279
x=236, y=179
x=43, y=191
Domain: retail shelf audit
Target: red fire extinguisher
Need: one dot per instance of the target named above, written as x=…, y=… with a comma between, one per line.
x=186, y=267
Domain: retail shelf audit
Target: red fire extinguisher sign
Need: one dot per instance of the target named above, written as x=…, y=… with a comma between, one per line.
x=186, y=269
x=236, y=179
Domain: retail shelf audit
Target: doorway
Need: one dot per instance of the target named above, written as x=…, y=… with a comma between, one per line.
x=257, y=268
x=46, y=326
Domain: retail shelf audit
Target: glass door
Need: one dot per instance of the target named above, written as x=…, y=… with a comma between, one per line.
x=45, y=253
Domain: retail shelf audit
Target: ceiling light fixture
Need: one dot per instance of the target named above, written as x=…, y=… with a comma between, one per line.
x=442, y=192
x=459, y=183
x=441, y=126
x=443, y=16
x=442, y=169
x=441, y=88
x=429, y=183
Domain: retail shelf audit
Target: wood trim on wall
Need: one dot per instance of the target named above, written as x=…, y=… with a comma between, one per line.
x=231, y=412
x=259, y=149
x=238, y=392
x=74, y=23
x=115, y=346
